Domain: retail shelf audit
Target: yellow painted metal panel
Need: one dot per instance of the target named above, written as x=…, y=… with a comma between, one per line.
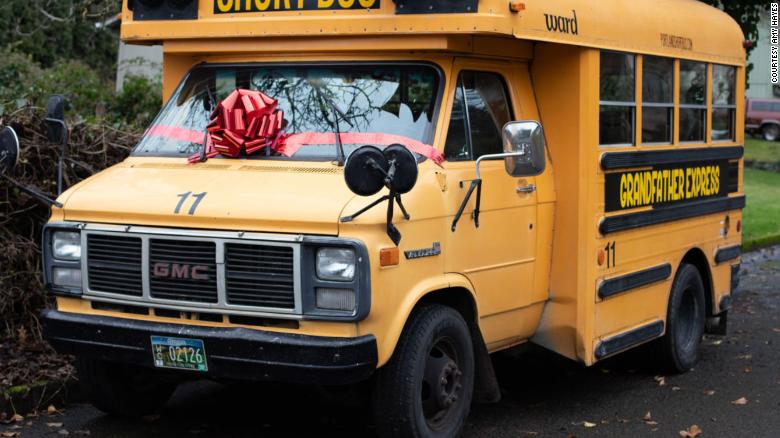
x=662, y=27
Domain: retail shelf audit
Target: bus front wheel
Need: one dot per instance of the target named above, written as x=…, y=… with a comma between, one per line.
x=426, y=388
x=685, y=320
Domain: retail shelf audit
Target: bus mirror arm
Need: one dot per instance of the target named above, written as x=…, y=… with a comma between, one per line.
x=474, y=184
x=477, y=184
x=35, y=194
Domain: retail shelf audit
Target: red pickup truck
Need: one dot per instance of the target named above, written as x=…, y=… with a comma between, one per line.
x=762, y=117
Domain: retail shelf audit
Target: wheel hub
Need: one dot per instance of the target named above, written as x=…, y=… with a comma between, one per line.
x=441, y=385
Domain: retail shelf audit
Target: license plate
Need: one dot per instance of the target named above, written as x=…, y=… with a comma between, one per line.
x=179, y=353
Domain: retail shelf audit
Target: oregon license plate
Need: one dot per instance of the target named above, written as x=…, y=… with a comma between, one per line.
x=179, y=353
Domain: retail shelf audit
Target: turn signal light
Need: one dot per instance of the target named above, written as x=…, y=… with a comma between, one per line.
x=389, y=257
x=516, y=6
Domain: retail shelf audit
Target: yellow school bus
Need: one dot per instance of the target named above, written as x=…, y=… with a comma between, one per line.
x=575, y=182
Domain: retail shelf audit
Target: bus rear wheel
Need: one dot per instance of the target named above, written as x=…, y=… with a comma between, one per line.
x=685, y=320
x=426, y=388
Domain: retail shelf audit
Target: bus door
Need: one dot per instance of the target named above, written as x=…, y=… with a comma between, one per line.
x=498, y=256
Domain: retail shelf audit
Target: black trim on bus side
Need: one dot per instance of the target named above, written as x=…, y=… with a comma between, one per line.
x=631, y=338
x=629, y=221
x=634, y=280
x=735, y=271
x=727, y=253
x=436, y=6
x=627, y=160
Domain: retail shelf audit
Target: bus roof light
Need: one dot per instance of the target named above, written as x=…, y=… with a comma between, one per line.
x=149, y=10
x=516, y=7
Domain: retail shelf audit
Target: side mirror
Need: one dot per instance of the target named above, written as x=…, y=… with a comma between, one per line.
x=57, y=132
x=369, y=169
x=526, y=140
x=9, y=150
x=55, y=119
x=9, y=158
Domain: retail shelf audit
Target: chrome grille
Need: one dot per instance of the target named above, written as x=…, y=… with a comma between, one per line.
x=173, y=266
x=259, y=275
x=249, y=274
x=115, y=264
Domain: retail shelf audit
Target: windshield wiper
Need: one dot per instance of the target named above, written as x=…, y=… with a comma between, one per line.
x=340, y=156
x=204, y=149
x=337, y=113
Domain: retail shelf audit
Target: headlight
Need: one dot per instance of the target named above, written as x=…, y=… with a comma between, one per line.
x=335, y=299
x=67, y=277
x=66, y=245
x=336, y=264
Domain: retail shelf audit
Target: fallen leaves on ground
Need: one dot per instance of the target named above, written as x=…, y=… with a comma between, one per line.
x=740, y=401
x=588, y=424
x=776, y=330
x=54, y=424
x=691, y=432
x=648, y=419
x=709, y=392
x=661, y=380
x=10, y=434
x=31, y=361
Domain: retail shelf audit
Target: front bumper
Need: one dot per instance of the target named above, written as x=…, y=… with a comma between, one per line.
x=232, y=353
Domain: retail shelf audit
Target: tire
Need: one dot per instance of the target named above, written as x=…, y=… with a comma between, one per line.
x=771, y=132
x=434, y=355
x=686, y=317
x=123, y=390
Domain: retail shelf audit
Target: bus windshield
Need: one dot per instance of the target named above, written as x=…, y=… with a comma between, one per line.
x=398, y=101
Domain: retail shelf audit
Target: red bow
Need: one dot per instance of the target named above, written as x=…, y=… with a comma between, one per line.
x=246, y=121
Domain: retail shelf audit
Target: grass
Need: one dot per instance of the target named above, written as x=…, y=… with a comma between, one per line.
x=762, y=213
x=762, y=150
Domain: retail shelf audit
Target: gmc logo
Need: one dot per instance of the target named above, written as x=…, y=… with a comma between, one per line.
x=180, y=271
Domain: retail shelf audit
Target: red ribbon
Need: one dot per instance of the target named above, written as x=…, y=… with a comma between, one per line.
x=290, y=144
x=245, y=121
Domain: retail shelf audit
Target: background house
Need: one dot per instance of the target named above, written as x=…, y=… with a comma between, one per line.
x=759, y=85
x=138, y=60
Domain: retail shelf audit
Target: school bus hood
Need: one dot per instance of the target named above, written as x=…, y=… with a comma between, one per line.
x=240, y=195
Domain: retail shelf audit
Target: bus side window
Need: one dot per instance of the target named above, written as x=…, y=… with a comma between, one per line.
x=693, y=106
x=724, y=105
x=617, y=99
x=479, y=113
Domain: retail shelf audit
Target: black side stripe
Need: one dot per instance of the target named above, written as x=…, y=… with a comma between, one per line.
x=662, y=215
x=629, y=339
x=626, y=160
x=614, y=286
x=735, y=269
x=728, y=253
